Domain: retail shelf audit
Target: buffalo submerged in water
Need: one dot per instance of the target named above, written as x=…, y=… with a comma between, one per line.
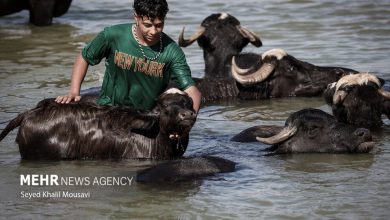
x=359, y=99
x=310, y=131
x=85, y=130
x=41, y=11
x=185, y=169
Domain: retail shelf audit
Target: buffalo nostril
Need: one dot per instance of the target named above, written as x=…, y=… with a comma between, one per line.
x=362, y=132
x=184, y=115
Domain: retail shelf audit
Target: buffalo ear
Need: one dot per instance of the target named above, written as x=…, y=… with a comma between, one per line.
x=313, y=132
x=250, y=134
x=147, y=124
x=155, y=112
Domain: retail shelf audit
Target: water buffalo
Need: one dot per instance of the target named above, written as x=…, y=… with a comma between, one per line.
x=275, y=74
x=310, y=131
x=41, y=11
x=185, y=169
x=272, y=74
x=359, y=100
x=221, y=36
x=85, y=130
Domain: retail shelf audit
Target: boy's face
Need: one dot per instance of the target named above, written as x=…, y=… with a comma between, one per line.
x=149, y=30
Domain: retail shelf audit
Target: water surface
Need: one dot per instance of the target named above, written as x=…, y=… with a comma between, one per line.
x=36, y=63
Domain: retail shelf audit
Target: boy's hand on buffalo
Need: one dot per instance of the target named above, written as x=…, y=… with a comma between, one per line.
x=67, y=98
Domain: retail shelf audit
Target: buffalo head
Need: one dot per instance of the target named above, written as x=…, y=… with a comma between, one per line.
x=358, y=99
x=176, y=113
x=221, y=36
x=314, y=131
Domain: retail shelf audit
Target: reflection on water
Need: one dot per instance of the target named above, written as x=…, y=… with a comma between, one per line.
x=262, y=110
x=36, y=62
x=318, y=163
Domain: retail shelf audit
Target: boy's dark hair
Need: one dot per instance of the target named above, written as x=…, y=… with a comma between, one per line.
x=151, y=8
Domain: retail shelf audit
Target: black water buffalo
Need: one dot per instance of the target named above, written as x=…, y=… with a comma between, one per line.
x=84, y=130
x=41, y=11
x=221, y=36
x=272, y=74
x=359, y=99
x=275, y=74
x=186, y=169
x=310, y=131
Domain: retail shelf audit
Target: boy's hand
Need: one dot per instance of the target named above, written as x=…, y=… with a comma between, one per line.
x=67, y=98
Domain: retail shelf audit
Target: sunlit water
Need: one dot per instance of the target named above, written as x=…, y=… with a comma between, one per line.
x=36, y=62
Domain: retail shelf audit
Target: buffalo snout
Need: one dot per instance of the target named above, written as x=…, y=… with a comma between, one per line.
x=364, y=136
x=186, y=115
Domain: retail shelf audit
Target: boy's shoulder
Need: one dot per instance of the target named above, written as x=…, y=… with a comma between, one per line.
x=118, y=28
x=169, y=42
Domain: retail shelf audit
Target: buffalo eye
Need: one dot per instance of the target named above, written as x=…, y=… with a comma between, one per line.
x=313, y=131
x=165, y=111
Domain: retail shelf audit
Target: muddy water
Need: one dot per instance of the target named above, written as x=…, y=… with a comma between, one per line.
x=35, y=62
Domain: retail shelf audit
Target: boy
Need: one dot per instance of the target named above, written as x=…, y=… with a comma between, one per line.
x=140, y=61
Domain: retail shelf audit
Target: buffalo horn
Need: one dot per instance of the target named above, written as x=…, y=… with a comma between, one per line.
x=252, y=37
x=283, y=135
x=185, y=42
x=247, y=79
x=237, y=69
x=339, y=96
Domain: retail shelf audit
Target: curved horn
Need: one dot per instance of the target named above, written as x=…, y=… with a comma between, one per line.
x=253, y=38
x=339, y=96
x=185, y=42
x=237, y=69
x=384, y=93
x=283, y=135
x=261, y=74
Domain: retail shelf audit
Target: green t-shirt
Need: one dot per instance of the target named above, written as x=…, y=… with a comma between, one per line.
x=130, y=79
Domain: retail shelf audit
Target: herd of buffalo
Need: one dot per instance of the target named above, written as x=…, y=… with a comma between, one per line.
x=85, y=130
